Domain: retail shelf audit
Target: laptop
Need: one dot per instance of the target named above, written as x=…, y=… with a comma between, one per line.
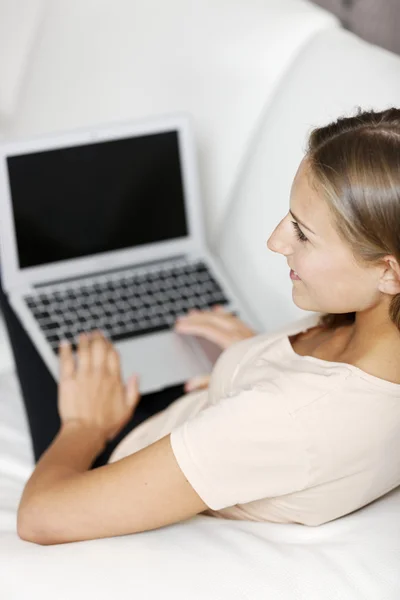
x=102, y=228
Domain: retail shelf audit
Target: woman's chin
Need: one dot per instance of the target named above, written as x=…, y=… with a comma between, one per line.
x=301, y=299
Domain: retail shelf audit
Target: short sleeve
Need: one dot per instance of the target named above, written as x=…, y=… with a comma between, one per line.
x=244, y=448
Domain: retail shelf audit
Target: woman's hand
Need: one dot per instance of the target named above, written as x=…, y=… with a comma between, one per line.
x=216, y=325
x=91, y=389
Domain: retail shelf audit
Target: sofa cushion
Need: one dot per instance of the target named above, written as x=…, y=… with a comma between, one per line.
x=20, y=22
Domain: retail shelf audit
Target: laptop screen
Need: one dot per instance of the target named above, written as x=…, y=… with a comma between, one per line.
x=98, y=197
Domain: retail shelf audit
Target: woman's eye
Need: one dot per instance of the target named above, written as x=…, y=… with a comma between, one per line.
x=300, y=235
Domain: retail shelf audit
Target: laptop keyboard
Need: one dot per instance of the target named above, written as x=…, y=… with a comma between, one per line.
x=124, y=304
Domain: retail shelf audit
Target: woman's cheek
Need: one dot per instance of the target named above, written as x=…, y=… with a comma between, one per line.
x=314, y=271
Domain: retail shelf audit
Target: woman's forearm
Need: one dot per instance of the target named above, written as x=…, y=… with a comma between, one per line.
x=72, y=451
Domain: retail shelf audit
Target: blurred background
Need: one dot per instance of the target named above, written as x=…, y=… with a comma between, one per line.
x=376, y=21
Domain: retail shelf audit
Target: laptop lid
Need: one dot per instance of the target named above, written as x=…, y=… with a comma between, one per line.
x=82, y=202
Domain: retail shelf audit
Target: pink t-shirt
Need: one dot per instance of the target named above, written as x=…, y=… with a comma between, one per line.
x=282, y=437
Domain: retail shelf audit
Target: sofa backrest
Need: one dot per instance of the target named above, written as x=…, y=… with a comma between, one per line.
x=334, y=73
x=20, y=26
x=107, y=61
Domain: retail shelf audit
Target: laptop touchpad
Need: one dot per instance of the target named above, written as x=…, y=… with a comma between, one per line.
x=161, y=359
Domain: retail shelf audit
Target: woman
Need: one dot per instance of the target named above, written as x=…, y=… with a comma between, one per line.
x=298, y=426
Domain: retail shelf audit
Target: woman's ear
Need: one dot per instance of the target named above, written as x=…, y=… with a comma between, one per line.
x=390, y=280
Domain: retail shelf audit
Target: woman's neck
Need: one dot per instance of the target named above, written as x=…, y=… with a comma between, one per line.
x=375, y=350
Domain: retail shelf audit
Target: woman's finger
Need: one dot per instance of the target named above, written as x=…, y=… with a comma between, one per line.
x=206, y=330
x=132, y=394
x=98, y=350
x=67, y=363
x=218, y=307
x=214, y=307
x=83, y=352
x=197, y=383
x=207, y=318
x=113, y=361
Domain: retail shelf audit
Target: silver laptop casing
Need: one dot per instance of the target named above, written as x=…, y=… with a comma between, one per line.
x=160, y=359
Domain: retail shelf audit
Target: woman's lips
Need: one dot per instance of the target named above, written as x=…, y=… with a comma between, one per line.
x=293, y=275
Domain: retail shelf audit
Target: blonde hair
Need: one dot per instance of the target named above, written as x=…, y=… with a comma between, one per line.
x=355, y=163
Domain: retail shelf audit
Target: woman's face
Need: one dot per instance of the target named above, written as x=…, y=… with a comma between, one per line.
x=330, y=279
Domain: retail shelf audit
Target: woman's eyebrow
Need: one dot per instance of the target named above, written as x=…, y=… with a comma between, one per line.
x=301, y=222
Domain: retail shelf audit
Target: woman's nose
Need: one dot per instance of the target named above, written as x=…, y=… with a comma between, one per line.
x=277, y=243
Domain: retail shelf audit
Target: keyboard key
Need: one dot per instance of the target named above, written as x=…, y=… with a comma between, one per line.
x=51, y=326
x=41, y=314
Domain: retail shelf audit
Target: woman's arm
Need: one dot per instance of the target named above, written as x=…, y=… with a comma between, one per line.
x=63, y=502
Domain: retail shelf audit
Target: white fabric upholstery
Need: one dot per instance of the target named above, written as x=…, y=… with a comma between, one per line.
x=100, y=61
x=255, y=75
x=19, y=27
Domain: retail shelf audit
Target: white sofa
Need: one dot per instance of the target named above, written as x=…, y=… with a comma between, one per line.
x=256, y=75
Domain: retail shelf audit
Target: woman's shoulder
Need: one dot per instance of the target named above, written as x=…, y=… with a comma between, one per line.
x=266, y=364
x=247, y=349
